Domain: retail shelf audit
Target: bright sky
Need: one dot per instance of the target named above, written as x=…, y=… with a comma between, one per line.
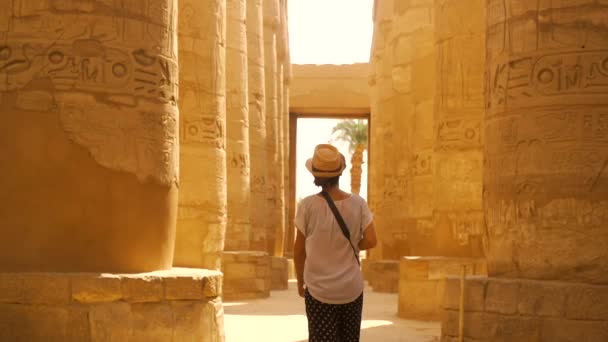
x=327, y=32
x=312, y=132
x=330, y=31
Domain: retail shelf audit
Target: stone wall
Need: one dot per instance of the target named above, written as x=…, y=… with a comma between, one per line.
x=526, y=310
x=381, y=275
x=247, y=275
x=164, y=306
x=279, y=273
x=422, y=283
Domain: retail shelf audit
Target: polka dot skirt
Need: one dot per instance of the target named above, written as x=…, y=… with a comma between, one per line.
x=333, y=322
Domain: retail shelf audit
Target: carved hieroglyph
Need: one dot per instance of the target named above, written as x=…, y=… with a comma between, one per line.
x=426, y=120
x=546, y=153
x=257, y=123
x=88, y=141
x=238, y=229
x=202, y=196
x=402, y=125
x=274, y=195
x=460, y=60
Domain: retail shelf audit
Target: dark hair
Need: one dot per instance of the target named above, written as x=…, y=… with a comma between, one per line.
x=323, y=181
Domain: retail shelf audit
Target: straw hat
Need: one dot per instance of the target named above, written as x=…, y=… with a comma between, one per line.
x=326, y=162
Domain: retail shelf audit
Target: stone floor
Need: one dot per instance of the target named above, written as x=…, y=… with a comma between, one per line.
x=281, y=318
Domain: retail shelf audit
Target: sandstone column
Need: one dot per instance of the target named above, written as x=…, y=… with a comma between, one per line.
x=202, y=198
x=280, y=231
x=273, y=167
x=88, y=141
x=402, y=136
x=289, y=196
x=460, y=45
x=257, y=123
x=238, y=230
x=414, y=79
x=382, y=203
x=545, y=180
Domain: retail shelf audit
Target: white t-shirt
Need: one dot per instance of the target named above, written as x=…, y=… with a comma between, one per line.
x=331, y=272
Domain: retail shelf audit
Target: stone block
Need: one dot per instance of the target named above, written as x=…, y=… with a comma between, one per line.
x=34, y=288
x=499, y=328
x=279, y=278
x=142, y=288
x=41, y=288
x=542, y=299
x=110, y=322
x=587, y=302
x=263, y=271
x=213, y=321
x=188, y=323
x=563, y=330
x=420, y=299
x=78, y=328
x=212, y=287
x=383, y=275
x=474, y=293
x=240, y=270
x=10, y=288
x=152, y=322
x=33, y=323
x=502, y=296
x=95, y=288
x=228, y=257
x=183, y=287
x=414, y=268
x=474, y=327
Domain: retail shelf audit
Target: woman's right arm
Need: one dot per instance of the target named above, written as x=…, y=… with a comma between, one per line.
x=369, y=239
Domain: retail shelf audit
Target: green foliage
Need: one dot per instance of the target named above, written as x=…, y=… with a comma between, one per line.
x=354, y=132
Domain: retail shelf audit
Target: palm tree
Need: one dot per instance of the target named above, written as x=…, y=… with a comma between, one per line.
x=354, y=132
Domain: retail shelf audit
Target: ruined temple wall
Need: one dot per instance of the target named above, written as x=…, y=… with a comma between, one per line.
x=201, y=224
x=89, y=128
x=238, y=229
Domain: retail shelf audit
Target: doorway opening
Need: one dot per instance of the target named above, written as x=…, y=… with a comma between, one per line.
x=307, y=131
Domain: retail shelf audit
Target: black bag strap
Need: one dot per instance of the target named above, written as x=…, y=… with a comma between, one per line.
x=341, y=222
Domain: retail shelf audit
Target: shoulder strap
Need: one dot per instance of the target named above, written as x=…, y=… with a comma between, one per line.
x=341, y=222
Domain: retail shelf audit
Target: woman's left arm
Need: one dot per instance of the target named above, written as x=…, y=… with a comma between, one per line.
x=299, y=258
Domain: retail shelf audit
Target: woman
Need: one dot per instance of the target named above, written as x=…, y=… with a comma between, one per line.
x=326, y=262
